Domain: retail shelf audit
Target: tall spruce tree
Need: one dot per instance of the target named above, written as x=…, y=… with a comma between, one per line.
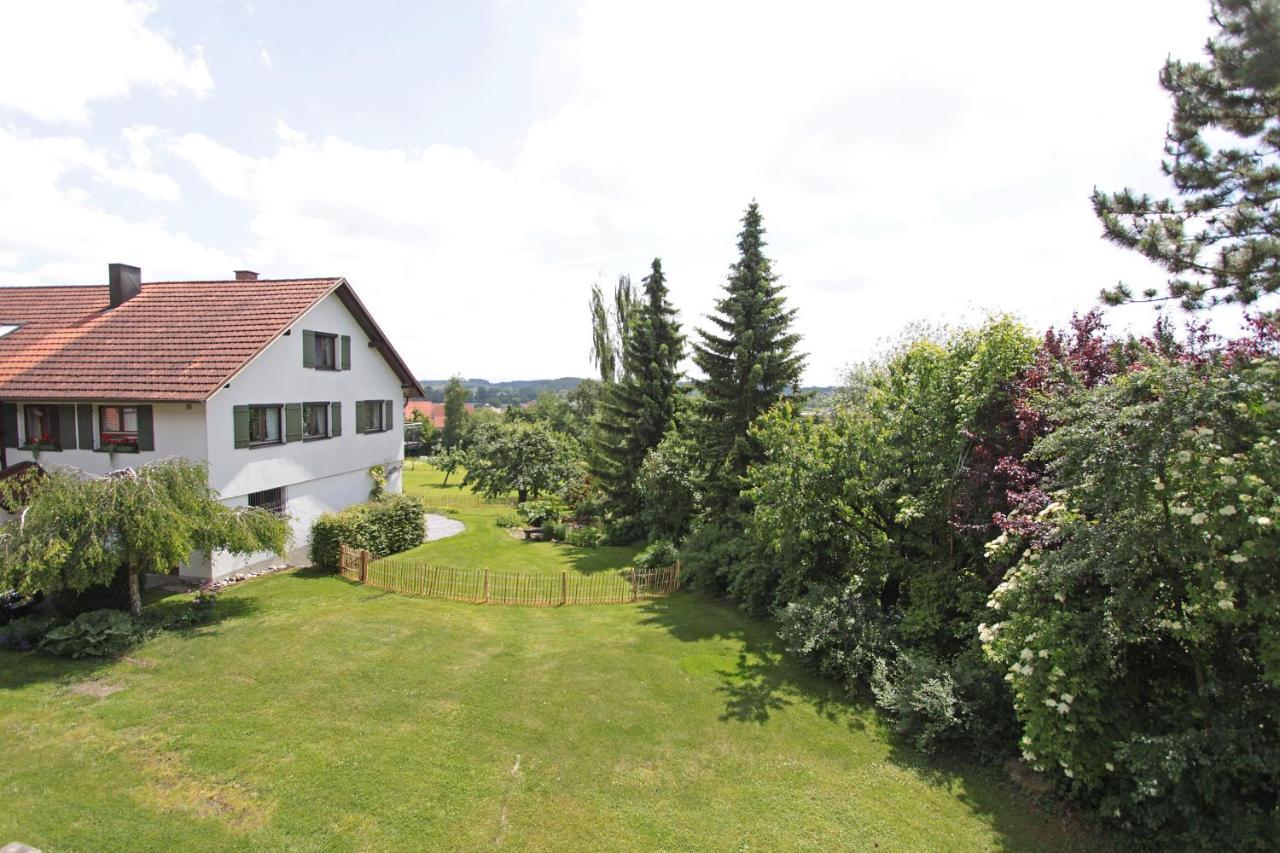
x=637, y=410
x=1220, y=241
x=749, y=363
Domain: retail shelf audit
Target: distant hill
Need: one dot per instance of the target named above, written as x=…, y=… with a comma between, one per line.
x=517, y=391
x=512, y=392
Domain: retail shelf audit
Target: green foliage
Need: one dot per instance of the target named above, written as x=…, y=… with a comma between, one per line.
x=536, y=513
x=659, y=554
x=555, y=531
x=1141, y=634
x=749, y=362
x=389, y=525
x=448, y=460
x=528, y=458
x=24, y=634
x=867, y=531
x=667, y=488
x=78, y=531
x=98, y=633
x=1220, y=242
x=640, y=408
x=507, y=519
x=455, y=413
x=584, y=537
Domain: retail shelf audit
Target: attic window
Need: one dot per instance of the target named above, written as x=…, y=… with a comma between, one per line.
x=6, y=328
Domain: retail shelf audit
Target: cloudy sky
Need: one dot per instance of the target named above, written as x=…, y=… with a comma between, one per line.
x=473, y=167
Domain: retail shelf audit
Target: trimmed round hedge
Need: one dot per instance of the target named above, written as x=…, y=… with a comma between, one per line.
x=387, y=525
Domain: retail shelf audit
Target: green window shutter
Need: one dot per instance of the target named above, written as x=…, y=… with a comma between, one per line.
x=240, y=415
x=387, y=414
x=67, y=427
x=308, y=348
x=335, y=419
x=293, y=422
x=84, y=422
x=147, y=429
x=346, y=352
x=362, y=419
x=9, y=423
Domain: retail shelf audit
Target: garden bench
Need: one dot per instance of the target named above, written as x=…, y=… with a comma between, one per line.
x=531, y=532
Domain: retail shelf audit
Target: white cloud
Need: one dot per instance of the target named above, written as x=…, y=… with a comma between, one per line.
x=58, y=57
x=930, y=160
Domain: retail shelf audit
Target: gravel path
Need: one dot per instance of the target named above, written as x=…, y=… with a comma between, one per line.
x=440, y=527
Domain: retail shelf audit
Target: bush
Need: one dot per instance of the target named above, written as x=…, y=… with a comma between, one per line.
x=658, y=555
x=98, y=633
x=584, y=537
x=507, y=519
x=24, y=634
x=921, y=696
x=554, y=531
x=389, y=525
x=538, y=513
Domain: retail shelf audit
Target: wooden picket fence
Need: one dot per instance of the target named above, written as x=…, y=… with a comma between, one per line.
x=481, y=586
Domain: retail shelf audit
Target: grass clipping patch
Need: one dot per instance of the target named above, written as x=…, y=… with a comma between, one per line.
x=172, y=787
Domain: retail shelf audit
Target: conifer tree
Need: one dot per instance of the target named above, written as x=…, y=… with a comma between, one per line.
x=639, y=409
x=749, y=362
x=1220, y=241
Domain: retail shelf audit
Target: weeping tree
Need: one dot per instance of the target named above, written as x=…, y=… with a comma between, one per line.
x=1219, y=240
x=609, y=326
x=73, y=531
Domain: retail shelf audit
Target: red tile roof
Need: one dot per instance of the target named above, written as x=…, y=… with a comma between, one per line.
x=178, y=340
x=433, y=411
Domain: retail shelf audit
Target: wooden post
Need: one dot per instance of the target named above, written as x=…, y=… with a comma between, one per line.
x=635, y=584
x=486, y=586
x=675, y=584
x=364, y=566
x=564, y=587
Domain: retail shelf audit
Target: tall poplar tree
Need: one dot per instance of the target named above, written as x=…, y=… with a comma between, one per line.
x=455, y=412
x=637, y=410
x=749, y=362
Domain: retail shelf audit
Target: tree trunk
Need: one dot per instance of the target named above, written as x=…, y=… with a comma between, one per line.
x=522, y=495
x=135, y=593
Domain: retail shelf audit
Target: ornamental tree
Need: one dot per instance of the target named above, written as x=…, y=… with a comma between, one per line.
x=75, y=531
x=526, y=457
x=1139, y=628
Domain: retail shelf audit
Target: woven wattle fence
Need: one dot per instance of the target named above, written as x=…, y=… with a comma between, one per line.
x=481, y=586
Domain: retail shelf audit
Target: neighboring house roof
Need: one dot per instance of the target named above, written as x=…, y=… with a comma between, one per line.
x=433, y=412
x=176, y=340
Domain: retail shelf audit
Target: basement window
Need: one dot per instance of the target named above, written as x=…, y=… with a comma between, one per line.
x=272, y=500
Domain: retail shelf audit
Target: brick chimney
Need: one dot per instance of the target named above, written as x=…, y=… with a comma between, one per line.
x=125, y=282
x=246, y=275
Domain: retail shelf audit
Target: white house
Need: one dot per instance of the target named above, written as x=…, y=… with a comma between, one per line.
x=286, y=388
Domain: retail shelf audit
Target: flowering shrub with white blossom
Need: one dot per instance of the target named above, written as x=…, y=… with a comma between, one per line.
x=1139, y=630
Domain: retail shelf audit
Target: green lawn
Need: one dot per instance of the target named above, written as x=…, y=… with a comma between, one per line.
x=485, y=545
x=317, y=714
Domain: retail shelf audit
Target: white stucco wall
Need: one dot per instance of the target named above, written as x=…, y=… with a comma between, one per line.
x=318, y=476
x=179, y=431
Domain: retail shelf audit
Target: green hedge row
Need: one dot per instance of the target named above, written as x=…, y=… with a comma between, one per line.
x=387, y=525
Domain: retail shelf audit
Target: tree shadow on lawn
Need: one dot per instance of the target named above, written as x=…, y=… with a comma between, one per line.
x=764, y=679
x=21, y=669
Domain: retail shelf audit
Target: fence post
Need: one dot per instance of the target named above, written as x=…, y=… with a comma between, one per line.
x=364, y=565
x=635, y=584
x=564, y=587
x=486, y=586
x=675, y=583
